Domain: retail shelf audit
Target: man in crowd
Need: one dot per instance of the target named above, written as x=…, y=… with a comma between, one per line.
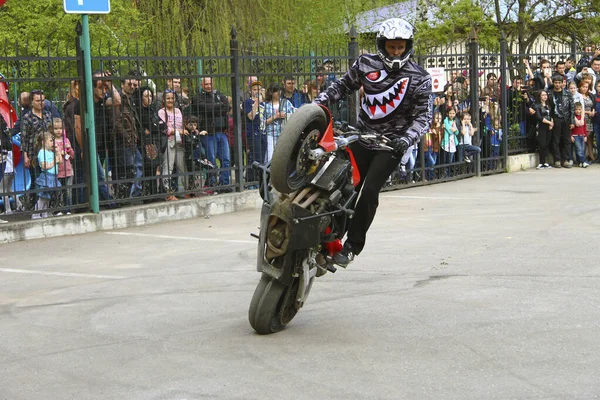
x=127, y=128
x=543, y=77
x=560, y=69
x=492, y=88
x=99, y=124
x=291, y=93
x=570, y=68
x=211, y=108
x=562, y=110
x=182, y=101
x=25, y=105
x=593, y=71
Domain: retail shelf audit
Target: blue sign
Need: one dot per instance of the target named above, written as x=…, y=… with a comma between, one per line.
x=87, y=6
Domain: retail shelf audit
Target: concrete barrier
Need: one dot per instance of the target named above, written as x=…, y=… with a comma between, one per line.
x=148, y=214
x=521, y=162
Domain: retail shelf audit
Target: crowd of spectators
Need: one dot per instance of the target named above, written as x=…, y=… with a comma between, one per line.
x=150, y=146
x=556, y=108
x=180, y=142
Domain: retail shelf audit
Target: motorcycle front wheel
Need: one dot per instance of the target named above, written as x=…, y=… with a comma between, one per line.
x=273, y=305
x=291, y=169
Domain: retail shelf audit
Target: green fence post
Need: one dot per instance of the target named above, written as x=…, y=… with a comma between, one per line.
x=503, y=100
x=235, y=98
x=89, y=114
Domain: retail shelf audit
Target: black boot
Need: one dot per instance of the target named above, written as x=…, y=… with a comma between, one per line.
x=345, y=256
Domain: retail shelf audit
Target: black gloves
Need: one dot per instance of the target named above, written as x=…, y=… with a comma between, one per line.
x=399, y=146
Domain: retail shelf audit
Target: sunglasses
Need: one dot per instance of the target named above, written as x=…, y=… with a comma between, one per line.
x=37, y=91
x=169, y=91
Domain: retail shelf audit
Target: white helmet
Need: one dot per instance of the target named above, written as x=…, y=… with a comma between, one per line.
x=391, y=29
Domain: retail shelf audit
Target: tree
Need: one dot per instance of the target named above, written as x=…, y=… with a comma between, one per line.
x=44, y=24
x=522, y=21
x=453, y=21
x=192, y=26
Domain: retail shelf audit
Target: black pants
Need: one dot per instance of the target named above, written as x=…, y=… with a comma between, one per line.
x=374, y=168
x=544, y=138
x=561, y=140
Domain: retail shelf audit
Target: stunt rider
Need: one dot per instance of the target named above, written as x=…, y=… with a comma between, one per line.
x=397, y=103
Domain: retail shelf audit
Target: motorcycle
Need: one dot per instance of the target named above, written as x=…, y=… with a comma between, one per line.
x=308, y=194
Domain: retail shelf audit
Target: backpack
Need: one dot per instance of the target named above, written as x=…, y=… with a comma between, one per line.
x=125, y=123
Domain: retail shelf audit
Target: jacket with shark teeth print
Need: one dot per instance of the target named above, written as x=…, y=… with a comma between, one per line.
x=395, y=103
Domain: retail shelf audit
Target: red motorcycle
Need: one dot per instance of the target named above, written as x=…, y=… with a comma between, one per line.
x=308, y=193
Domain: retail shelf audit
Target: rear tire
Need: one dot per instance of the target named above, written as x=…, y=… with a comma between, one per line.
x=285, y=175
x=265, y=313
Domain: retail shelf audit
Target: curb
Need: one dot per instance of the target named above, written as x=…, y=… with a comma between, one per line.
x=148, y=214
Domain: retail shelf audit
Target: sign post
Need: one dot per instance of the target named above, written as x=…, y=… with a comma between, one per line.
x=438, y=79
x=86, y=7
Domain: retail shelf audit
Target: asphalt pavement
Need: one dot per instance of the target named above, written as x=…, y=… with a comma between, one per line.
x=486, y=288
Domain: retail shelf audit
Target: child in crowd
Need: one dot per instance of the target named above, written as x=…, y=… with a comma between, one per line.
x=196, y=156
x=579, y=136
x=65, y=169
x=450, y=139
x=48, y=159
x=466, y=147
x=495, y=140
x=432, y=142
x=577, y=97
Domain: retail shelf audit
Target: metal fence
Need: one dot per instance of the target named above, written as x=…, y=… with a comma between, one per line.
x=141, y=164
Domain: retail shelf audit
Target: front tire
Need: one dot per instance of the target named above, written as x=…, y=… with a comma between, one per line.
x=290, y=169
x=273, y=305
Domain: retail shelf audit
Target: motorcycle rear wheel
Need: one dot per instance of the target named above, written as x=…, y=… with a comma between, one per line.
x=273, y=305
x=290, y=168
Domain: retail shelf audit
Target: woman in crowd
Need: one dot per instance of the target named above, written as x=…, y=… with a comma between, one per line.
x=69, y=126
x=174, y=149
x=277, y=111
x=596, y=122
x=545, y=125
x=448, y=101
x=254, y=108
x=309, y=91
x=589, y=111
x=152, y=126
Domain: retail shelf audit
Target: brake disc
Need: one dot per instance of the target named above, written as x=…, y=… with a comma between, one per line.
x=304, y=165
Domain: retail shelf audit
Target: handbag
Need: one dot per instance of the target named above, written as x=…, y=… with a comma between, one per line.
x=151, y=151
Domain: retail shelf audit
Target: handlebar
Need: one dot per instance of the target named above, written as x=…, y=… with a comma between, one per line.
x=344, y=139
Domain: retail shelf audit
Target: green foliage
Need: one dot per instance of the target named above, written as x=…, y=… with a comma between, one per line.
x=45, y=23
x=193, y=26
x=522, y=21
x=456, y=20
